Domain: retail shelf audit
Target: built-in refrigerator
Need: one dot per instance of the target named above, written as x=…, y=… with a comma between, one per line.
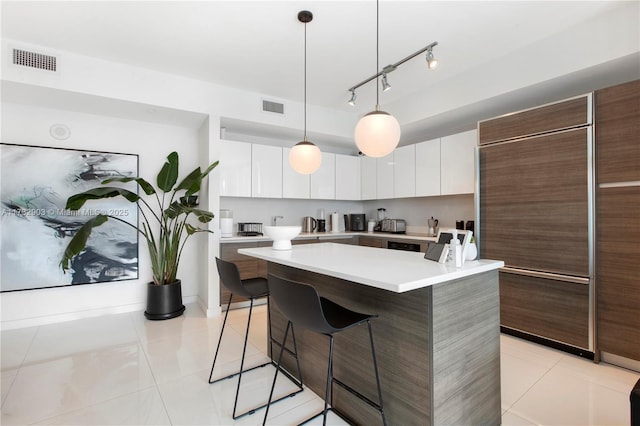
x=535, y=212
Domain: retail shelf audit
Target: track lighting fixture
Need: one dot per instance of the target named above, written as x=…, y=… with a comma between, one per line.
x=432, y=62
x=352, y=100
x=385, y=84
x=305, y=157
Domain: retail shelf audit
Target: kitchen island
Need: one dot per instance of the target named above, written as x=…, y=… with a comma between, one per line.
x=437, y=334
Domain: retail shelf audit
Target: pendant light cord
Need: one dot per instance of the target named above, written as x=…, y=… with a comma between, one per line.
x=305, y=81
x=377, y=54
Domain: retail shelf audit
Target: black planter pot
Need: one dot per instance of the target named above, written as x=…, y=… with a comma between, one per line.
x=164, y=301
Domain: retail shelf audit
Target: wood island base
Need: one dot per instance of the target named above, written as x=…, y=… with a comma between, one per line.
x=438, y=350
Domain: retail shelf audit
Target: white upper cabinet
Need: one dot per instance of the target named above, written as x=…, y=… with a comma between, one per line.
x=384, y=177
x=347, y=177
x=457, y=166
x=428, y=168
x=266, y=171
x=323, y=181
x=235, y=169
x=404, y=172
x=368, y=180
x=294, y=184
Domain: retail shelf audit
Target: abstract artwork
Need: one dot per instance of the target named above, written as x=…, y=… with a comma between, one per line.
x=35, y=183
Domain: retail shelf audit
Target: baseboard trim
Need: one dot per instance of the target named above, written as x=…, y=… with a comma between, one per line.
x=620, y=361
x=549, y=342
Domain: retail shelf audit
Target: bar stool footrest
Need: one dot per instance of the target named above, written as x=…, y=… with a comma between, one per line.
x=358, y=394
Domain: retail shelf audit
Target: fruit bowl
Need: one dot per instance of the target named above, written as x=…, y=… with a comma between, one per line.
x=282, y=235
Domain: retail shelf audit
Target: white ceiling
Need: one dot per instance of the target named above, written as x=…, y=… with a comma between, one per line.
x=258, y=45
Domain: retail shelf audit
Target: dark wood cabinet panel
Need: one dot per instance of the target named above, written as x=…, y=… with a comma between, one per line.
x=534, y=203
x=558, y=116
x=248, y=267
x=372, y=242
x=552, y=309
x=618, y=271
x=618, y=133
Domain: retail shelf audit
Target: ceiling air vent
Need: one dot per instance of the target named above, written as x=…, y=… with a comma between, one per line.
x=34, y=60
x=272, y=107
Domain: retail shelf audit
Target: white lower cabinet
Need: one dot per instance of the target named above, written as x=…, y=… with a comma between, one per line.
x=404, y=172
x=266, y=171
x=347, y=177
x=323, y=181
x=457, y=164
x=428, y=168
x=294, y=184
x=235, y=169
x=384, y=177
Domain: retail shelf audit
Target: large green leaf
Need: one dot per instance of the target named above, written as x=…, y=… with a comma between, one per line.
x=168, y=175
x=176, y=209
x=193, y=181
x=79, y=240
x=193, y=229
x=146, y=186
x=76, y=201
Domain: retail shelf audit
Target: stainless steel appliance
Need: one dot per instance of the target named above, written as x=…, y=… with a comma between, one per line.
x=249, y=229
x=309, y=224
x=395, y=226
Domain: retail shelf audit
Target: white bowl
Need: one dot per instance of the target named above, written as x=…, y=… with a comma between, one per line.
x=282, y=235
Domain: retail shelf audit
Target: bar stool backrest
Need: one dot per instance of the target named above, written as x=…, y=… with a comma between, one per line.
x=299, y=303
x=230, y=277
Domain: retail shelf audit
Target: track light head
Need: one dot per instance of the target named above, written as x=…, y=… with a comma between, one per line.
x=432, y=62
x=352, y=100
x=385, y=84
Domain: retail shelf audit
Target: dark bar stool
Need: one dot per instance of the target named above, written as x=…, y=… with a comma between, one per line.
x=251, y=289
x=301, y=305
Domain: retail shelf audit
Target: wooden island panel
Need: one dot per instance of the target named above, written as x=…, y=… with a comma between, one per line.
x=438, y=350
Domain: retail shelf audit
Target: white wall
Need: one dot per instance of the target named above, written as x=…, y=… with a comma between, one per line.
x=23, y=124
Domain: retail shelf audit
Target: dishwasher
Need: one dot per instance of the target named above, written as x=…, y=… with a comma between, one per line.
x=396, y=245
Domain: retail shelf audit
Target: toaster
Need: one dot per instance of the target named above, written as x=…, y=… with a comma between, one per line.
x=395, y=226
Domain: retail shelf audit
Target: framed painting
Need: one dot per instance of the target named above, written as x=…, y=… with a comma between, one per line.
x=35, y=228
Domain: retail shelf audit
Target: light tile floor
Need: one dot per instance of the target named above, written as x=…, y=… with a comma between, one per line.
x=122, y=369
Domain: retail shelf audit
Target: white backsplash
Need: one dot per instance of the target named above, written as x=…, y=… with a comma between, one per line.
x=415, y=211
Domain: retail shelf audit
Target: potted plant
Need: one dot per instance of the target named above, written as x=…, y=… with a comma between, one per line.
x=164, y=226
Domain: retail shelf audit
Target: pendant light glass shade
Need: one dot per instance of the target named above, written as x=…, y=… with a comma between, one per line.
x=305, y=157
x=377, y=134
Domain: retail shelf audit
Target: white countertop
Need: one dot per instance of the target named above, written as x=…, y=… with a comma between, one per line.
x=327, y=235
x=393, y=270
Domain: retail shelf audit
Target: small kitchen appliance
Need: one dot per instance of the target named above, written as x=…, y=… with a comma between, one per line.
x=309, y=224
x=249, y=229
x=322, y=225
x=357, y=222
x=433, y=224
x=394, y=226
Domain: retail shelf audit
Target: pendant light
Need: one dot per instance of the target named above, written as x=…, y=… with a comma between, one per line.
x=378, y=132
x=305, y=157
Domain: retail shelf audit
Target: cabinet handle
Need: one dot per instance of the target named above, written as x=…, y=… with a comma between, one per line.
x=546, y=275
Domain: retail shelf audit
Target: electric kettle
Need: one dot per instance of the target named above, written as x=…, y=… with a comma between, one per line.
x=309, y=224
